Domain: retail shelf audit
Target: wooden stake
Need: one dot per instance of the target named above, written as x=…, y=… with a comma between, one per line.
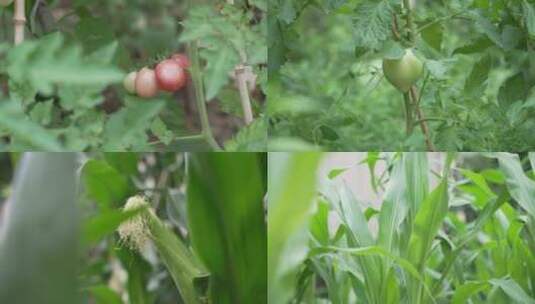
x=19, y=20
x=244, y=93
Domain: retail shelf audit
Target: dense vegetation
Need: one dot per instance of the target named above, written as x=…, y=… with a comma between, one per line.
x=61, y=85
x=327, y=87
x=464, y=233
x=133, y=228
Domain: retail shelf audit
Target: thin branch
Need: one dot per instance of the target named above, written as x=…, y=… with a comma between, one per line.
x=410, y=22
x=408, y=114
x=199, y=96
x=417, y=122
x=414, y=96
x=395, y=27
x=431, y=23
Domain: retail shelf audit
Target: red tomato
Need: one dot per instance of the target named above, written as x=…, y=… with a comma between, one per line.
x=182, y=60
x=146, y=85
x=170, y=75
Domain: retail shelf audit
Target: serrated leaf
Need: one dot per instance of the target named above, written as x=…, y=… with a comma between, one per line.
x=127, y=127
x=13, y=119
x=372, y=23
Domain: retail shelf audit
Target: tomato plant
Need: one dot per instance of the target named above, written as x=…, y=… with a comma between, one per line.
x=66, y=84
x=328, y=88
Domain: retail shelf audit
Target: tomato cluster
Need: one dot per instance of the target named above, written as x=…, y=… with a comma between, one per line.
x=170, y=75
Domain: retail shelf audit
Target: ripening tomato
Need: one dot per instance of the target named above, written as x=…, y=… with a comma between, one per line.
x=129, y=82
x=146, y=85
x=182, y=60
x=403, y=72
x=5, y=2
x=170, y=75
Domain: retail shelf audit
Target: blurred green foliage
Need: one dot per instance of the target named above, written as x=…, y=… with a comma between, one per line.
x=59, y=221
x=61, y=90
x=327, y=87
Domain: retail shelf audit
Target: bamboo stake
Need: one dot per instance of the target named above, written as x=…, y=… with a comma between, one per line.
x=244, y=93
x=19, y=20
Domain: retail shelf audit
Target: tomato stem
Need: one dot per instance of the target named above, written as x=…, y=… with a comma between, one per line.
x=421, y=118
x=408, y=114
x=199, y=96
x=410, y=22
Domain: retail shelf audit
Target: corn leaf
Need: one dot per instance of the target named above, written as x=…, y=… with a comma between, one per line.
x=38, y=249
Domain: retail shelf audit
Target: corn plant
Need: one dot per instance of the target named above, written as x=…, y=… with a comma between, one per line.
x=461, y=235
x=95, y=228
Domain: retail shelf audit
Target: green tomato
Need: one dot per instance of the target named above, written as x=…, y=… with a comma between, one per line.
x=404, y=72
x=129, y=82
x=5, y=2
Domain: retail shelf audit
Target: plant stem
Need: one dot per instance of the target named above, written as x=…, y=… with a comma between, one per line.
x=410, y=22
x=421, y=118
x=408, y=114
x=193, y=53
x=19, y=20
x=438, y=21
x=199, y=96
x=395, y=28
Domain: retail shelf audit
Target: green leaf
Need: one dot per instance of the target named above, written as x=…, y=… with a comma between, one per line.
x=183, y=266
x=531, y=156
x=407, y=188
x=513, y=290
x=127, y=128
x=216, y=76
x=104, y=295
x=161, y=131
x=521, y=187
x=380, y=252
x=433, y=36
x=529, y=17
x=479, y=180
x=319, y=225
x=45, y=62
x=104, y=184
x=13, y=119
x=372, y=23
x=335, y=172
x=427, y=223
x=291, y=184
x=124, y=162
x=138, y=275
x=476, y=82
x=225, y=194
x=252, y=138
x=38, y=249
x=106, y=222
x=464, y=292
